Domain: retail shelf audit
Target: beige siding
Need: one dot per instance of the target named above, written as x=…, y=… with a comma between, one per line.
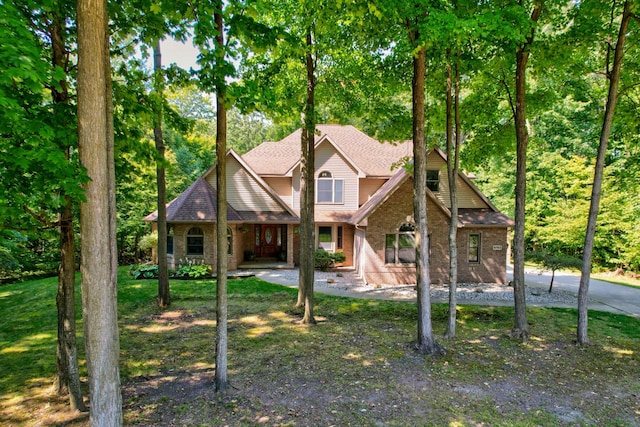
x=328, y=159
x=282, y=187
x=368, y=186
x=467, y=197
x=295, y=189
x=243, y=192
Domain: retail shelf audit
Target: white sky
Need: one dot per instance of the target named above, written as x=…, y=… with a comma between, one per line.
x=183, y=54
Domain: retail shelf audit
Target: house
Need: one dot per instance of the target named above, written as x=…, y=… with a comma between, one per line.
x=364, y=208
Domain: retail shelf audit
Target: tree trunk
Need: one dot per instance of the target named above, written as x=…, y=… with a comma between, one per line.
x=453, y=150
x=426, y=343
x=307, y=194
x=97, y=215
x=68, y=376
x=521, y=327
x=164, y=296
x=221, y=380
x=612, y=98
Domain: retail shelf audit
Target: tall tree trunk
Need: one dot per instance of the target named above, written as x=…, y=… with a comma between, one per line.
x=68, y=376
x=97, y=215
x=221, y=381
x=164, y=296
x=521, y=327
x=612, y=98
x=453, y=150
x=426, y=343
x=307, y=193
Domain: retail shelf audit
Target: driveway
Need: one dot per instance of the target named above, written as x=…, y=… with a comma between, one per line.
x=605, y=296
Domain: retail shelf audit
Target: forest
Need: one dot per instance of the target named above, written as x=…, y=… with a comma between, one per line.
x=363, y=78
x=539, y=98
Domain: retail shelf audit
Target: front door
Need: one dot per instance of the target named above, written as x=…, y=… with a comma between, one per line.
x=268, y=241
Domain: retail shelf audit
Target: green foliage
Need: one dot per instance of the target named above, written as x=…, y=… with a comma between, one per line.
x=149, y=241
x=193, y=271
x=324, y=260
x=149, y=271
x=554, y=262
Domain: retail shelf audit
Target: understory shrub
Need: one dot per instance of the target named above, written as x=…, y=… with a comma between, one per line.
x=324, y=260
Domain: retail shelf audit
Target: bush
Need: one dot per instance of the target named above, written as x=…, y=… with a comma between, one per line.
x=149, y=271
x=193, y=271
x=324, y=260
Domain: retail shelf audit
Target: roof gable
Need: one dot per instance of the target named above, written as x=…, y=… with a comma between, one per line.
x=385, y=192
x=369, y=156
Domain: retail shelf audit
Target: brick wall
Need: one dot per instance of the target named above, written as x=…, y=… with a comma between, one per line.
x=399, y=210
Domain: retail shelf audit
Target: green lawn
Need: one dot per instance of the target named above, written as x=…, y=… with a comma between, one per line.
x=355, y=367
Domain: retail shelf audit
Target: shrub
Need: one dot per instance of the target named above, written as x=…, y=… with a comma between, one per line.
x=148, y=271
x=193, y=271
x=324, y=260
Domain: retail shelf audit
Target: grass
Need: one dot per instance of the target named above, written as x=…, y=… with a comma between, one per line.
x=357, y=366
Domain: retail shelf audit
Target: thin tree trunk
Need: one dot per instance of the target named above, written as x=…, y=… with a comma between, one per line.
x=521, y=327
x=612, y=98
x=426, y=343
x=164, y=296
x=307, y=194
x=97, y=215
x=453, y=149
x=221, y=380
x=68, y=376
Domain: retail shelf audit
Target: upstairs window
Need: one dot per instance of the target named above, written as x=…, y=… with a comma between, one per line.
x=433, y=180
x=195, y=241
x=328, y=189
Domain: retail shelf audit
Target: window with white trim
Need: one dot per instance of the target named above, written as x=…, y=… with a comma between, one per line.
x=400, y=248
x=329, y=190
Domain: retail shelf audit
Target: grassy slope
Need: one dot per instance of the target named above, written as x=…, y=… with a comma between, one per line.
x=356, y=367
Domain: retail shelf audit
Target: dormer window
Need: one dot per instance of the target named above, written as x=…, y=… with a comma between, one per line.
x=433, y=180
x=329, y=190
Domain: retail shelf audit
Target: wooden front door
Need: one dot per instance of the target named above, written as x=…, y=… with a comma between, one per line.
x=268, y=241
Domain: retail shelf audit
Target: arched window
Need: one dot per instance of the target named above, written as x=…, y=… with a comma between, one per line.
x=329, y=190
x=195, y=241
x=400, y=248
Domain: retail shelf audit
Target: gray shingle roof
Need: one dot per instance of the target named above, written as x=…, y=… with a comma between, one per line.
x=196, y=204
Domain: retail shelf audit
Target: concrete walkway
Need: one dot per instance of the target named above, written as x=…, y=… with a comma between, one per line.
x=603, y=296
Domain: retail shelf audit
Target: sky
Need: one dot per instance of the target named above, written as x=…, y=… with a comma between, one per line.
x=183, y=54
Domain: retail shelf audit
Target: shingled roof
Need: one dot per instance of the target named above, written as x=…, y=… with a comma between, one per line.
x=196, y=204
x=369, y=155
x=466, y=217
